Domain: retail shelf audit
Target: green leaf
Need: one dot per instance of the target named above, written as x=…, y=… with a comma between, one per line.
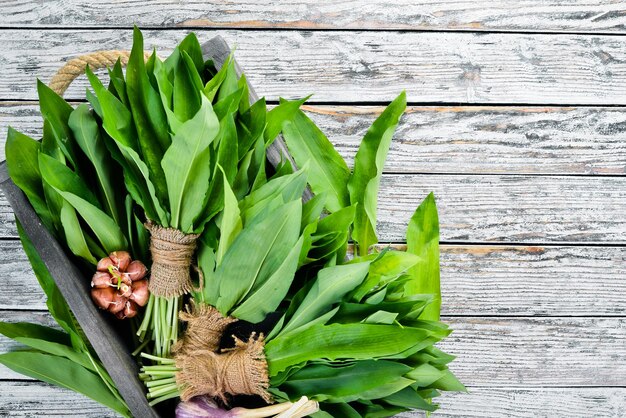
x=213, y=85
x=449, y=382
x=65, y=373
x=268, y=296
x=257, y=252
x=342, y=341
x=15, y=330
x=230, y=222
x=55, y=301
x=408, y=398
x=227, y=149
x=423, y=240
x=191, y=47
x=286, y=110
x=117, y=84
x=368, y=168
x=64, y=182
x=22, y=163
x=87, y=134
x=148, y=115
x=329, y=172
x=331, y=285
x=230, y=84
x=56, y=112
x=251, y=126
x=361, y=380
x=187, y=96
x=187, y=169
x=425, y=374
x=74, y=234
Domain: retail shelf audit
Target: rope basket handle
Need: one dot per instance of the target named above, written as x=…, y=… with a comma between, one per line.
x=95, y=60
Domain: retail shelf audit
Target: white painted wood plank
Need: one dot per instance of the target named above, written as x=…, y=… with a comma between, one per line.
x=508, y=352
x=502, y=15
x=344, y=66
x=496, y=209
x=476, y=280
x=474, y=139
x=508, y=208
x=33, y=399
x=36, y=399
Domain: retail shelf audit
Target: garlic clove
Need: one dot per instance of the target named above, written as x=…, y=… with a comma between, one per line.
x=136, y=270
x=101, y=280
x=104, y=264
x=103, y=297
x=118, y=303
x=140, y=293
x=121, y=259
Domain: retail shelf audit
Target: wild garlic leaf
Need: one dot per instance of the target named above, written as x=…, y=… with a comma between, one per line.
x=330, y=287
x=62, y=372
x=148, y=116
x=423, y=240
x=250, y=126
x=187, y=167
x=56, y=112
x=344, y=383
x=192, y=48
x=212, y=86
x=27, y=330
x=286, y=110
x=368, y=168
x=22, y=162
x=408, y=398
x=187, y=96
x=257, y=252
x=266, y=298
x=60, y=176
x=343, y=341
x=230, y=84
x=57, y=306
x=329, y=172
x=74, y=234
x=229, y=222
x=87, y=134
x=227, y=148
x=71, y=188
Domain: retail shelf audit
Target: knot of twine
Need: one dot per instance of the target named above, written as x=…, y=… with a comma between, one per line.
x=172, y=252
x=205, y=326
x=241, y=370
x=95, y=60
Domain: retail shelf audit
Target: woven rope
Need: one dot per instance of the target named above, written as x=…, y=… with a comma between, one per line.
x=172, y=252
x=205, y=326
x=95, y=60
x=238, y=371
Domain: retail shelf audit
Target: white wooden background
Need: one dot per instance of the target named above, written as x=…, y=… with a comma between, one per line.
x=516, y=119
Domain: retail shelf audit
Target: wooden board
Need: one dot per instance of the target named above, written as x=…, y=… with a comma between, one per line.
x=496, y=209
x=364, y=66
x=502, y=15
x=476, y=280
x=451, y=139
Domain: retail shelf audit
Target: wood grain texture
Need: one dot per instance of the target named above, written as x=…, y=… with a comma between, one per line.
x=30, y=399
x=342, y=66
x=25, y=399
x=509, y=352
x=36, y=399
x=501, y=15
x=496, y=209
x=476, y=280
x=470, y=139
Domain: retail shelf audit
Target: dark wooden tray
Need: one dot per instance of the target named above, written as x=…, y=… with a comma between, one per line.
x=101, y=332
